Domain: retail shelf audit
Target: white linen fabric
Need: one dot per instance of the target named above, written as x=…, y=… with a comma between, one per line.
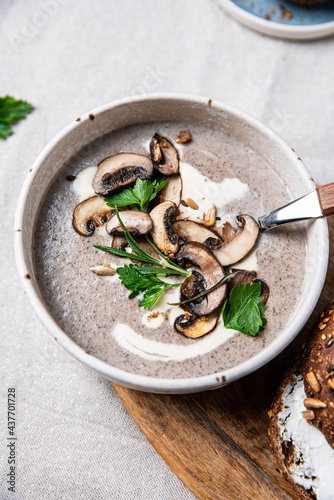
x=75, y=439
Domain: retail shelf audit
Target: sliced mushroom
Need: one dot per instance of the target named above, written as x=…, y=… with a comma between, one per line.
x=119, y=242
x=212, y=272
x=155, y=150
x=188, y=230
x=164, y=155
x=89, y=214
x=135, y=222
x=194, y=327
x=172, y=191
x=192, y=287
x=163, y=216
x=121, y=170
x=244, y=277
x=228, y=232
x=240, y=243
x=265, y=291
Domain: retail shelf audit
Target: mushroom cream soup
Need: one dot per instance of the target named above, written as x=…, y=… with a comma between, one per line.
x=95, y=310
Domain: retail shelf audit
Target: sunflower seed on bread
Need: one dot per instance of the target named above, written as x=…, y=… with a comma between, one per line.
x=318, y=358
x=302, y=416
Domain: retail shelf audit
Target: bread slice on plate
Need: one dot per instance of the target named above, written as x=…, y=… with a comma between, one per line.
x=302, y=416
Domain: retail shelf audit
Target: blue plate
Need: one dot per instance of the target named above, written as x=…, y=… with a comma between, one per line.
x=288, y=13
x=283, y=18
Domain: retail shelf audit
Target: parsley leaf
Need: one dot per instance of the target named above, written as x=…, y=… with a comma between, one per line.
x=243, y=310
x=140, y=194
x=151, y=295
x=124, y=198
x=159, y=183
x=144, y=279
x=11, y=110
x=143, y=190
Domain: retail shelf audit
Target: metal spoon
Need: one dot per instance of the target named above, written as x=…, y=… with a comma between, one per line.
x=317, y=203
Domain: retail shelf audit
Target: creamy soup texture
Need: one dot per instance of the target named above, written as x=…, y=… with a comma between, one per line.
x=95, y=310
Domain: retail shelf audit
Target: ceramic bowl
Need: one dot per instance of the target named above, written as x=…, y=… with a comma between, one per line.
x=162, y=107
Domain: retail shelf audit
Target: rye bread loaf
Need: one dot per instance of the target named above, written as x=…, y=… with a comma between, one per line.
x=307, y=389
x=317, y=368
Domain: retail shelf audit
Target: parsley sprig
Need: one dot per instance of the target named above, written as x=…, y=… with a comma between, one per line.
x=243, y=309
x=141, y=194
x=140, y=254
x=144, y=279
x=11, y=110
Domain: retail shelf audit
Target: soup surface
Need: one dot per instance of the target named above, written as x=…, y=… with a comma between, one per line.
x=95, y=310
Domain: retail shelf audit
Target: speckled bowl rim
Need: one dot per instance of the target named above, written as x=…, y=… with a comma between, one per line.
x=153, y=384
x=271, y=28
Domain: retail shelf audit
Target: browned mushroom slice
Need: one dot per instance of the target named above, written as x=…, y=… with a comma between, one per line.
x=188, y=230
x=212, y=272
x=155, y=150
x=135, y=222
x=121, y=170
x=228, y=232
x=89, y=214
x=239, y=244
x=172, y=191
x=243, y=277
x=163, y=216
x=192, y=286
x=164, y=155
x=265, y=291
x=194, y=327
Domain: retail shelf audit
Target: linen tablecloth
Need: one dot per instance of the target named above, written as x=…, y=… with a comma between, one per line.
x=75, y=439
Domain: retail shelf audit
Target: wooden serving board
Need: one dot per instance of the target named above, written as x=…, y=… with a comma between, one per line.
x=216, y=442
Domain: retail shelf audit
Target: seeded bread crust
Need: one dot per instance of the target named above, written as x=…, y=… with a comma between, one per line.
x=316, y=365
x=283, y=452
x=317, y=368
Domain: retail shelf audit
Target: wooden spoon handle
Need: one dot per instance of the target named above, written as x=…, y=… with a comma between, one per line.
x=326, y=198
